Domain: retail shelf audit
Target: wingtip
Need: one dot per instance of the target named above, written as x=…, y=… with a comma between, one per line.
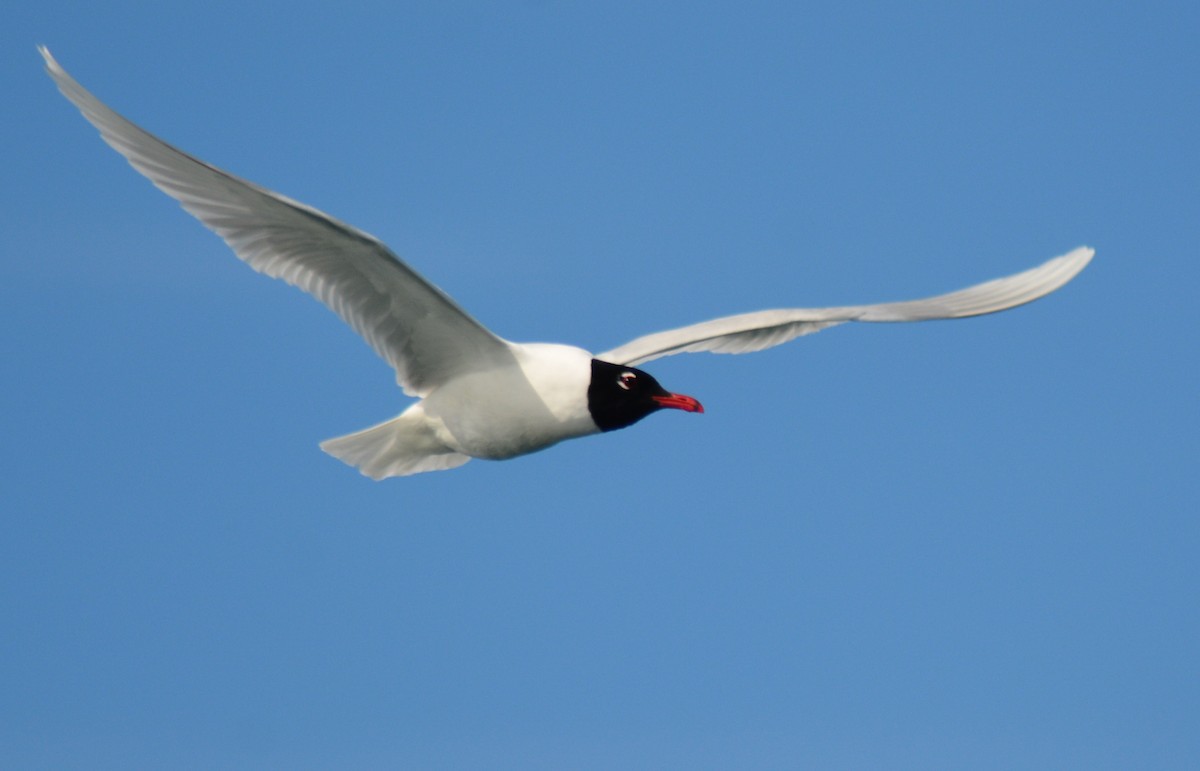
x=52, y=65
x=1059, y=271
x=1078, y=259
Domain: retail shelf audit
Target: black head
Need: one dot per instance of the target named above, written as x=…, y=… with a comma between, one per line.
x=621, y=396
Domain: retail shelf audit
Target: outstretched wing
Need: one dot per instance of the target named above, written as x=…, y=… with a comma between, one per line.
x=413, y=325
x=764, y=329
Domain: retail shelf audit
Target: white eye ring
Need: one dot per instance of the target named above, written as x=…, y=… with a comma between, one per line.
x=626, y=379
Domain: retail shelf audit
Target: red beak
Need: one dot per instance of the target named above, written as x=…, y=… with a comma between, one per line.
x=679, y=402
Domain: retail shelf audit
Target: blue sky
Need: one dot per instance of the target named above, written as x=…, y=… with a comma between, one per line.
x=958, y=544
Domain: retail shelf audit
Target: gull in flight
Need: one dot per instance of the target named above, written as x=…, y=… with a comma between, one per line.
x=480, y=396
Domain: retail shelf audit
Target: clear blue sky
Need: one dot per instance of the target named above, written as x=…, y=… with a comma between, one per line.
x=949, y=545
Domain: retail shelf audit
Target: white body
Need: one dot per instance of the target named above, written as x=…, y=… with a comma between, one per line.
x=538, y=401
x=504, y=413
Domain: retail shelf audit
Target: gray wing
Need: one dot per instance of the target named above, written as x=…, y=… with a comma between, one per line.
x=756, y=331
x=413, y=325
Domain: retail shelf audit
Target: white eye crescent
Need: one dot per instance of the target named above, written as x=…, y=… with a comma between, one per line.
x=626, y=380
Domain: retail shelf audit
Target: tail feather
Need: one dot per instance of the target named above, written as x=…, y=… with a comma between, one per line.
x=394, y=448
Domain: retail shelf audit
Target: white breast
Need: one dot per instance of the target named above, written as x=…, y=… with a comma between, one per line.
x=539, y=401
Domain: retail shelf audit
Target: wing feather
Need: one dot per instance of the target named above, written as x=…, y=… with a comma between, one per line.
x=418, y=329
x=755, y=331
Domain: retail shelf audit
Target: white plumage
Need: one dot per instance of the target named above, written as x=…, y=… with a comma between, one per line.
x=481, y=396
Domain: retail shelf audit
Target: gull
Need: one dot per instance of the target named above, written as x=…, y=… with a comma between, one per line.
x=479, y=395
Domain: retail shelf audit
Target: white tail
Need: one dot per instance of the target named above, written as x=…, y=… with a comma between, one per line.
x=398, y=447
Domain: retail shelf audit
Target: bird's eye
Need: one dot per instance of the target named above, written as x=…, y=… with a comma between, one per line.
x=626, y=380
